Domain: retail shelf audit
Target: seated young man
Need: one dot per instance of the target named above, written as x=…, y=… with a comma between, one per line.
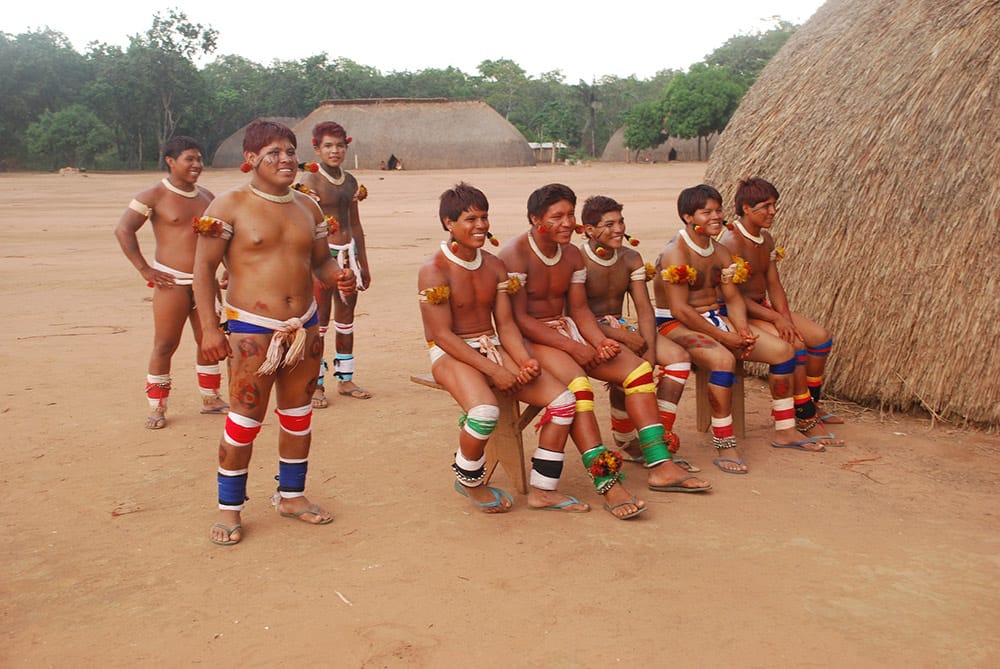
x=614, y=271
x=463, y=291
x=693, y=270
x=572, y=347
x=767, y=306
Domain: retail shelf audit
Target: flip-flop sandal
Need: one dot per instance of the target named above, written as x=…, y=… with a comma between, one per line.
x=716, y=462
x=800, y=445
x=561, y=506
x=677, y=487
x=610, y=508
x=229, y=533
x=498, y=495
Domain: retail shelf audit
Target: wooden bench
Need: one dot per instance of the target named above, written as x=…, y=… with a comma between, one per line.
x=506, y=444
x=703, y=418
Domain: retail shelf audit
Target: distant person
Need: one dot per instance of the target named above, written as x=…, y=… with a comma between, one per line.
x=477, y=351
x=672, y=156
x=273, y=240
x=338, y=194
x=170, y=206
x=749, y=236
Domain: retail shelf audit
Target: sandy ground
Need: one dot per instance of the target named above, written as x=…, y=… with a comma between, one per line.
x=883, y=553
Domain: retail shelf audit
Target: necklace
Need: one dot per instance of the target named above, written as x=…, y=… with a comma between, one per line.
x=758, y=239
x=704, y=253
x=599, y=260
x=190, y=194
x=280, y=199
x=470, y=265
x=541, y=256
x=335, y=182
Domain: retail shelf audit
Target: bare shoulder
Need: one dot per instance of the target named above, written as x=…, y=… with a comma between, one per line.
x=308, y=204
x=572, y=254
x=512, y=254
x=723, y=253
x=431, y=273
x=769, y=242
x=632, y=259
x=495, y=265
x=207, y=193
x=227, y=205
x=672, y=254
x=151, y=195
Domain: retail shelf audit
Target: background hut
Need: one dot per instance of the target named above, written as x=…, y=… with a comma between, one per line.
x=878, y=122
x=687, y=149
x=423, y=134
x=230, y=152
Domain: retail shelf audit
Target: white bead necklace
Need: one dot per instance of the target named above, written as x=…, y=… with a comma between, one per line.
x=190, y=194
x=599, y=260
x=704, y=253
x=335, y=182
x=758, y=239
x=541, y=256
x=280, y=199
x=470, y=265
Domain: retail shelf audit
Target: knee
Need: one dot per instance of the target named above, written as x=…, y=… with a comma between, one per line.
x=720, y=359
x=165, y=347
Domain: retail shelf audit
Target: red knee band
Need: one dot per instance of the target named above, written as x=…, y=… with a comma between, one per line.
x=296, y=421
x=240, y=430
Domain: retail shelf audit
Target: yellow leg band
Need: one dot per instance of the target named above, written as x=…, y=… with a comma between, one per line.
x=584, y=393
x=640, y=380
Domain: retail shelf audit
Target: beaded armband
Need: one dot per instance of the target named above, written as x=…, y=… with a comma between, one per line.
x=435, y=295
x=322, y=229
x=778, y=253
x=579, y=276
x=738, y=272
x=212, y=227
x=140, y=208
x=510, y=286
x=522, y=279
x=679, y=274
x=638, y=274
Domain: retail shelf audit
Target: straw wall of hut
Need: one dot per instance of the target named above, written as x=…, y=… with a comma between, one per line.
x=879, y=123
x=687, y=149
x=230, y=152
x=423, y=134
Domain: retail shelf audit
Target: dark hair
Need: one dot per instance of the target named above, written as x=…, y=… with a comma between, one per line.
x=178, y=144
x=546, y=196
x=461, y=197
x=694, y=198
x=597, y=206
x=331, y=128
x=753, y=191
x=260, y=133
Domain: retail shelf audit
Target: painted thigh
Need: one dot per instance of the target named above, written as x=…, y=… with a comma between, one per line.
x=294, y=386
x=248, y=392
x=705, y=352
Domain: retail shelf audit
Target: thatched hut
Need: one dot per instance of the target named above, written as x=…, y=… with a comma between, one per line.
x=878, y=122
x=684, y=149
x=230, y=152
x=424, y=134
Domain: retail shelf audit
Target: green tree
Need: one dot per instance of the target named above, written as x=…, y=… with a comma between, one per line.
x=746, y=55
x=71, y=136
x=701, y=102
x=505, y=80
x=644, y=126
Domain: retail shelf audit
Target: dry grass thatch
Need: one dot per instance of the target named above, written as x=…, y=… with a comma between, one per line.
x=878, y=122
x=687, y=149
x=230, y=152
x=424, y=134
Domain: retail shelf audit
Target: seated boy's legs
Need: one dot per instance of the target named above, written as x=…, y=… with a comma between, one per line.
x=818, y=343
x=635, y=375
x=248, y=398
x=675, y=364
x=547, y=461
x=780, y=356
x=293, y=388
x=473, y=394
x=708, y=353
x=585, y=432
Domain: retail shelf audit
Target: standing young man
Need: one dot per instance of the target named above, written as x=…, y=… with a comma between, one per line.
x=463, y=292
x=170, y=206
x=553, y=315
x=767, y=306
x=339, y=193
x=273, y=240
x=693, y=271
x=614, y=271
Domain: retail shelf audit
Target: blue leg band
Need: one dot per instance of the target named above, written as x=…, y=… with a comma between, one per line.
x=786, y=367
x=232, y=490
x=724, y=379
x=292, y=476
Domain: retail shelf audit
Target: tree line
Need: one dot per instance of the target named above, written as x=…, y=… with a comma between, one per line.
x=113, y=107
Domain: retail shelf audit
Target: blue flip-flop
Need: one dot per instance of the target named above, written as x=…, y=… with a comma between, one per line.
x=800, y=445
x=716, y=462
x=561, y=506
x=498, y=495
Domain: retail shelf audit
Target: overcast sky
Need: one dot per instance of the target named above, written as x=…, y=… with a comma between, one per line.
x=626, y=38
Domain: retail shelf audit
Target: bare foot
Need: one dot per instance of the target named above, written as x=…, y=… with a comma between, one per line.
x=319, y=400
x=825, y=417
x=555, y=501
x=157, y=419
x=228, y=530
x=302, y=509
x=670, y=477
x=351, y=389
x=621, y=503
x=486, y=498
x=213, y=404
x=792, y=438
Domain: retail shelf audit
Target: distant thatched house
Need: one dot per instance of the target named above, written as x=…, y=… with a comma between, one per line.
x=879, y=123
x=230, y=152
x=423, y=134
x=684, y=149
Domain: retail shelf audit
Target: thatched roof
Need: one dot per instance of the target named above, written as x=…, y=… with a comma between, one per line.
x=878, y=122
x=687, y=149
x=230, y=152
x=423, y=133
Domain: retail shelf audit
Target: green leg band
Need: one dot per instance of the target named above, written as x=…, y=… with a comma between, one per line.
x=654, y=448
x=603, y=466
